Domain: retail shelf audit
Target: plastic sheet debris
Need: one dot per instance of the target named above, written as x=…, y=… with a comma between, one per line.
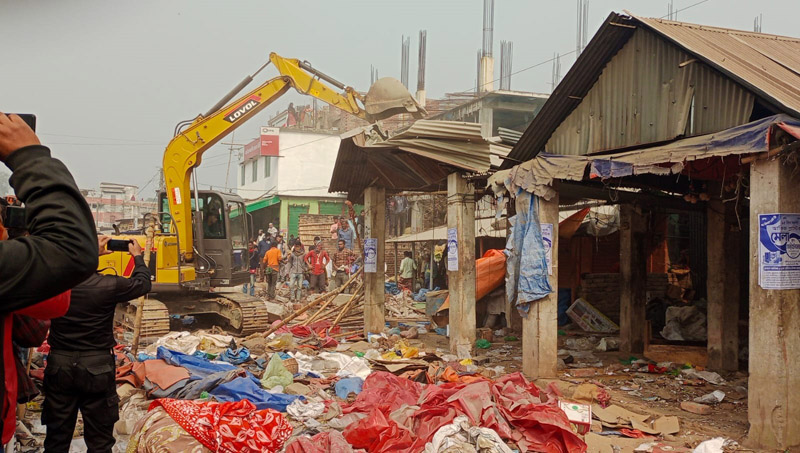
x=711, y=398
x=483, y=343
x=460, y=436
x=300, y=410
x=327, y=442
x=345, y=387
x=684, y=323
x=188, y=343
x=509, y=406
x=276, y=374
x=607, y=344
x=246, y=389
x=714, y=445
x=708, y=376
x=236, y=357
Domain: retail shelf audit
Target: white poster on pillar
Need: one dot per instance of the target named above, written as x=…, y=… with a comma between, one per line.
x=547, y=239
x=779, y=251
x=452, y=249
x=371, y=255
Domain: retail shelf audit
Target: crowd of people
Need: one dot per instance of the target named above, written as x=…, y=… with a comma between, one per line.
x=274, y=261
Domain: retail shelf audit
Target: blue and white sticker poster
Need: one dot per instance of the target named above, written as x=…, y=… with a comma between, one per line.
x=452, y=249
x=547, y=239
x=371, y=255
x=779, y=251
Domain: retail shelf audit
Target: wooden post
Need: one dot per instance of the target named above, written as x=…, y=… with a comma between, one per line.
x=461, y=217
x=513, y=319
x=632, y=279
x=396, y=266
x=773, y=396
x=430, y=281
x=375, y=227
x=722, y=287
x=414, y=257
x=540, y=327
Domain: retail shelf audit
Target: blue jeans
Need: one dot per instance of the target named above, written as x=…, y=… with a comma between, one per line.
x=296, y=286
x=252, y=285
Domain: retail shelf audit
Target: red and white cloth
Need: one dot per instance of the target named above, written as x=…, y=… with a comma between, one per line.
x=229, y=427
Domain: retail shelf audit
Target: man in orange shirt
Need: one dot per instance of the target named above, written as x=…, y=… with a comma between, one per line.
x=272, y=259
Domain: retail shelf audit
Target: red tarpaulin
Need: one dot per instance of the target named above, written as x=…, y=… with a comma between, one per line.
x=511, y=406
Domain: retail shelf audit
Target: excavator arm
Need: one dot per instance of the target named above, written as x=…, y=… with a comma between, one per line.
x=185, y=150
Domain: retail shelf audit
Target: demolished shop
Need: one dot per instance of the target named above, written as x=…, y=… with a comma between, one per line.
x=692, y=131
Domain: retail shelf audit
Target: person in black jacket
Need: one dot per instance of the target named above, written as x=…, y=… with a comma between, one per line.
x=80, y=372
x=61, y=248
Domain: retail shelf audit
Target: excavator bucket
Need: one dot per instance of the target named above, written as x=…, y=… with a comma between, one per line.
x=388, y=97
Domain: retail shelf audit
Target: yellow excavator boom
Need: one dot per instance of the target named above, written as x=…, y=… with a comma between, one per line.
x=185, y=150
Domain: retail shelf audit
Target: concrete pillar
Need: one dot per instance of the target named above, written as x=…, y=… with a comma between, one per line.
x=632, y=279
x=487, y=74
x=486, y=118
x=374, y=227
x=722, y=287
x=421, y=98
x=773, y=396
x=540, y=327
x=461, y=217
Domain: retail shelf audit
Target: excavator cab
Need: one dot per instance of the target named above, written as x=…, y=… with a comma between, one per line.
x=222, y=255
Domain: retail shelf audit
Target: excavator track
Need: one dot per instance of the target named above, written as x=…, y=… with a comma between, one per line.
x=248, y=314
x=155, y=319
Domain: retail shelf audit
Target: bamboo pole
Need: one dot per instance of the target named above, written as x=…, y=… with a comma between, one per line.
x=316, y=316
x=347, y=306
x=148, y=247
x=312, y=304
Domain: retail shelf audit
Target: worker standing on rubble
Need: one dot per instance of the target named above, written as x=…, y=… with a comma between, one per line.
x=407, y=268
x=297, y=268
x=80, y=373
x=272, y=260
x=346, y=233
x=317, y=259
x=342, y=260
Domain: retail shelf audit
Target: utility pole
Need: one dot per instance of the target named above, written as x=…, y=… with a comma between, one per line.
x=230, y=156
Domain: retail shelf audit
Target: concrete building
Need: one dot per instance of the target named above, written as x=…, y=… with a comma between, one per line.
x=280, y=188
x=116, y=204
x=496, y=109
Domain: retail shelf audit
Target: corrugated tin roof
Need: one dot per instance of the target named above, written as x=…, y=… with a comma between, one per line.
x=768, y=65
x=419, y=158
x=646, y=94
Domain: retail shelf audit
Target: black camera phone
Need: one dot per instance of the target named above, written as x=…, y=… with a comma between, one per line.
x=29, y=118
x=15, y=218
x=118, y=245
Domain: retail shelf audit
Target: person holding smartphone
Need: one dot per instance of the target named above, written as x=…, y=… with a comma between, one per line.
x=80, y=372
x=59, y=251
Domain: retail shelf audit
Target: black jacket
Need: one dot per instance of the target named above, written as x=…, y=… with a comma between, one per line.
x=61, y=250
x=89, y=323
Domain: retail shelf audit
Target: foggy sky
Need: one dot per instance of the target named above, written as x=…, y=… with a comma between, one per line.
x=109, y=80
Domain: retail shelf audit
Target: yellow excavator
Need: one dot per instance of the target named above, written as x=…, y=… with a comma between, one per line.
x=198, y=241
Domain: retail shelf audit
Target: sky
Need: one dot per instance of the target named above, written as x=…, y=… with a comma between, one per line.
x=109, y=80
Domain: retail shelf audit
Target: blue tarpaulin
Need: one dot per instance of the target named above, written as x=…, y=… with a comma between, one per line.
x=198, y=367
x=237, y=357
x=244, y=388
x=526, y=262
